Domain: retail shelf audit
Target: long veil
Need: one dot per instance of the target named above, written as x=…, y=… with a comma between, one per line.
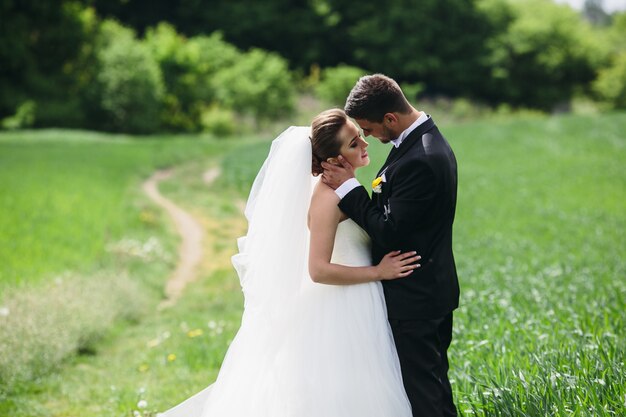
x=272, y=265
x=273, y=256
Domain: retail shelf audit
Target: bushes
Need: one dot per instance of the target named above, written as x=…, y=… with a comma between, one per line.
x=541, y=54
x=82, y=71
x=259, y=84
x=207, y=81
x=23, y=117
x=337, y=82
x=218, y=121
x=129, y=82
x=165, y=81
x=610, y=86
x=611, y=82
x=188, y=65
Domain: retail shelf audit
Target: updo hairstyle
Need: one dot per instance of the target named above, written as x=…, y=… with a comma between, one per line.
x=325, y=141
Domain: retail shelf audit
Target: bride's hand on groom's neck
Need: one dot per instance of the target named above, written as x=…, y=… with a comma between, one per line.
x=337, y=173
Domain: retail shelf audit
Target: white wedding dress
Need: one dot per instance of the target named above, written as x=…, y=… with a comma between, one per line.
x=304, y=349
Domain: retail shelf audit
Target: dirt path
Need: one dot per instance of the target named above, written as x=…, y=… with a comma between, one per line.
x=191, y=232
x=211, y=175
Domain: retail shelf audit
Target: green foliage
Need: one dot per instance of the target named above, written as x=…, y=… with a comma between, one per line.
x=525, y=53
x=412, y=91
x=611, y=82
x=40, y=44
x=610, y=85
x=280, y=26
x=207, y=78
x=129, y=81
x=259, y=84
x=23, y=117
x=188, y=66
x=218, y=121
x=436, y=42
x=336, y=83
x=542, y=52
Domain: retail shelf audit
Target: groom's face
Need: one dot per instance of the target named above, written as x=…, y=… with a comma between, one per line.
x=378, y=130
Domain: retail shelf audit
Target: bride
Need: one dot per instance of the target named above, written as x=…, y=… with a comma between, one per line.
x=306, y=348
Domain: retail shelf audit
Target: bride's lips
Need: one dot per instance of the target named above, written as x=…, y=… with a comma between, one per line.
x=365, y=155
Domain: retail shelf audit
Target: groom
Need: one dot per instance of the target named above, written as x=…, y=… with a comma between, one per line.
x=412, y=209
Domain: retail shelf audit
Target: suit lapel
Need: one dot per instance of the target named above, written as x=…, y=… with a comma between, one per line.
x=390, y=157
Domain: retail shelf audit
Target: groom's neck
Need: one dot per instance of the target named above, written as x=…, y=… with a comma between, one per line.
x=406, y=120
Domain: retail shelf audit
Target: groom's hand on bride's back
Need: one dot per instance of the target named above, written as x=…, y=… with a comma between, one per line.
x=398, y=265
x=336, y=174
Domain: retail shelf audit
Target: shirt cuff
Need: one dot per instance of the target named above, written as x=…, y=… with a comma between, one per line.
x=346, y=187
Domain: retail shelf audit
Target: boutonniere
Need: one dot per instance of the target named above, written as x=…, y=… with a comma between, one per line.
x=377, y=184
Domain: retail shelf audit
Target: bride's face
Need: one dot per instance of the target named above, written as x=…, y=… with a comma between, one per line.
x=353, y=146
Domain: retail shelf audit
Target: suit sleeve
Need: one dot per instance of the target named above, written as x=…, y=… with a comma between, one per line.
x=412, y=195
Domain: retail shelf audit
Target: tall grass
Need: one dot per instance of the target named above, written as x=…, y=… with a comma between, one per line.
x=44, y=326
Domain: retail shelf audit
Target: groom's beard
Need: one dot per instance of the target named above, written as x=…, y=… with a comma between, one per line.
x=387, y=135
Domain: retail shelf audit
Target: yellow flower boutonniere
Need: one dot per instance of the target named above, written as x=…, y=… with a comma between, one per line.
x=377, y=185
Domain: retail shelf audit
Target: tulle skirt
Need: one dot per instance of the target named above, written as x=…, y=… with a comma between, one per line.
x=327, y=353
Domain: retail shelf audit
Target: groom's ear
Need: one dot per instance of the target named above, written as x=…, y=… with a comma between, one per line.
x=390, y=118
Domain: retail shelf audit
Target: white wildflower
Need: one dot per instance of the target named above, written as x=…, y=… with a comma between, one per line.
x=142, y=404
x=4, y=311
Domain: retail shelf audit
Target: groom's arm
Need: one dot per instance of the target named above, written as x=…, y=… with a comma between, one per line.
x=413, y=193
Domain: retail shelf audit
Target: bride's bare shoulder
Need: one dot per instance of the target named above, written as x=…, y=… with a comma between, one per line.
x=323, y=195
x=324, y=202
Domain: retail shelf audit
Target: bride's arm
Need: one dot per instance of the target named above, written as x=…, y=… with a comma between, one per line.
x=324, y=216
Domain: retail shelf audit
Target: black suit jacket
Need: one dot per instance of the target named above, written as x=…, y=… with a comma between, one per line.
x=414, y=211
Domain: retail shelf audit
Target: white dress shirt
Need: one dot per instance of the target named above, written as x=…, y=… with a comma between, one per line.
x=352, y=183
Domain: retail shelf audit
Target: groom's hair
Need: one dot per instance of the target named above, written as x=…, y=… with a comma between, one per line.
x=375, y=95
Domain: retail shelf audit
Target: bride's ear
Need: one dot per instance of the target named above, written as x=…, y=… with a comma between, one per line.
x=333, y=161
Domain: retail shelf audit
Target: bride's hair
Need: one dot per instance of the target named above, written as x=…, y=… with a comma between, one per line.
x=325, y=141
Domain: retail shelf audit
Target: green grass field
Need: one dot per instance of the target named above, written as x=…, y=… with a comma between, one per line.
x=539, y=243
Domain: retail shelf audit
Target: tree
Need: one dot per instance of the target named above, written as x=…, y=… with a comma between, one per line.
x=436, y=42
x=610, y=86
x=40, y=44
x=128, y=85
x=542, y=53
x=295, y=29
